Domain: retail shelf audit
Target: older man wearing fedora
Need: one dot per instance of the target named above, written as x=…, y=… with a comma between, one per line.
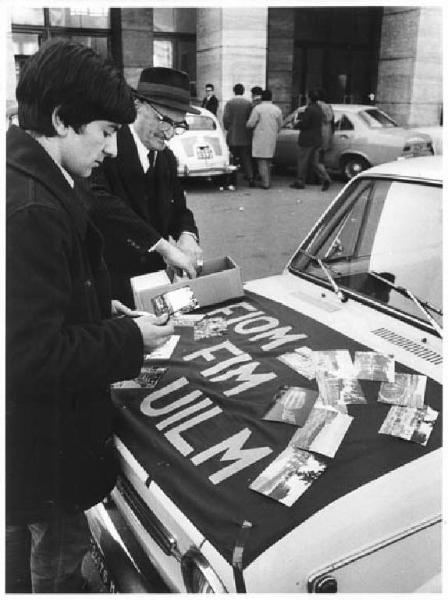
x=137, y=201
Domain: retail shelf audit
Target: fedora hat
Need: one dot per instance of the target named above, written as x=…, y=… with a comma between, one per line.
x=167, y=87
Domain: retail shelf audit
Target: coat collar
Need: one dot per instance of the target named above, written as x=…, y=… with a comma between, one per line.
x=26, y=155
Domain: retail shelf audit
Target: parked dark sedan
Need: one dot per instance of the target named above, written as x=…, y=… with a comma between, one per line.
x=364, y=136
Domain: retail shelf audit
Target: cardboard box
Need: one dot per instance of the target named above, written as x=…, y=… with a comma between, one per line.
x=219, y=280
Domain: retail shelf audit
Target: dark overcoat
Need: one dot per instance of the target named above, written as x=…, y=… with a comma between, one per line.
x=311, y=127
x=62, y=348
x=133, y=210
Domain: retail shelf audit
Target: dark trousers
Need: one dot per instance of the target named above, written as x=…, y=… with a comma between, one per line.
x=310, y=156
x=243, y=156
x=46, y=557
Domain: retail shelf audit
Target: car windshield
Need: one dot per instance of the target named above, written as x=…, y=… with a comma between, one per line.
x=200, y=123
x=377, y=119
x=382, y=237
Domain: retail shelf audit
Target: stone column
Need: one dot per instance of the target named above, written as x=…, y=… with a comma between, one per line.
x=281, y=57
x=410, y=86
x=231, y=48
x=137, y=41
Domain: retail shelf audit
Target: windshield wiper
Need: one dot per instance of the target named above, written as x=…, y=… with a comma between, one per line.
x=337, y=290
x=423, y=305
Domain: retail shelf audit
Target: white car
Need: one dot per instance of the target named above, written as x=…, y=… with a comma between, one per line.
x=202, y=150
x=199, y=506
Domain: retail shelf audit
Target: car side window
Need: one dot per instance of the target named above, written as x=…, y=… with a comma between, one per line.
x=343, y=123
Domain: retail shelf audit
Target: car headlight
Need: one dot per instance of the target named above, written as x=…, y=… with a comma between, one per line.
x=199, y=577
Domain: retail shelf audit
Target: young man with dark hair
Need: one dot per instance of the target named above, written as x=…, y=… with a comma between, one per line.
x=210, y=101
x=239, y=139
x=63, y=347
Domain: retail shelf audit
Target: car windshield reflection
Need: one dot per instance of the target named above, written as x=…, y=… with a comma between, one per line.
x=200, y=122
x=390, y=228
x=376, y=119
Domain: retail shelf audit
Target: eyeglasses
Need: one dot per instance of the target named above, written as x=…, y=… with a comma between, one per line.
x=168, y=126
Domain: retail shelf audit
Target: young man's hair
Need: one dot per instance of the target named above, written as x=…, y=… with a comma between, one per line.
x=209, y=85
x=238, y=89
x=266, y=95
x=83, y=86
x=256, y=90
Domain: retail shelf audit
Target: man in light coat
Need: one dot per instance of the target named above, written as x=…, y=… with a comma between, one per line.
x=266, y=120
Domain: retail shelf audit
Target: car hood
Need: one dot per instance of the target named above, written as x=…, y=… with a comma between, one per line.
x=200, y=435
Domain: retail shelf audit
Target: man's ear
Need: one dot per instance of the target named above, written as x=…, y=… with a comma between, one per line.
x=59, y=126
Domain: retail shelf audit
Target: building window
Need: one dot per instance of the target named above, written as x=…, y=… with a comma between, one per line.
x=175, y=40
x=97, y=18
x=32, y=26
x=27, y=16
x=163, y=53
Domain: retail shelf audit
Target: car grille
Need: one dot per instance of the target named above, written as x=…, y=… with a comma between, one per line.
x=215, y=144
x=188, y=144
x=409, y=345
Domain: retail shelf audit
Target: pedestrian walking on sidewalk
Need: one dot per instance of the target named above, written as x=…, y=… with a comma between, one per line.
x=236, y=113
x=310, y=144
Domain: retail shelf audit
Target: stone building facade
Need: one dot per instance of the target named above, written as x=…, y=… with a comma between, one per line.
x=390, y=56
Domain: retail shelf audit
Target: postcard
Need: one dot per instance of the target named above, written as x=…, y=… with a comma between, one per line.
x=186, y=320
x=291, y=405
x=289, y=475
x=210, y=327
x=374, y=366
x=165, y=350
x=334, y=362
x=323, y=431
x=148, y=378
x=338, y=392
x=175, y=301
x=407, y=390
x=301, y=361
x=413, y=424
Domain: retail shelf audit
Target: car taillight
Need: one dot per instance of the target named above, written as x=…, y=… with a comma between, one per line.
x=199, y=577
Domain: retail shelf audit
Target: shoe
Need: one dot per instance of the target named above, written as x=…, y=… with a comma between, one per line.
x=325, y=186
x=231, y=188
x=297, y=186
x=252, y=183
x=263, y=187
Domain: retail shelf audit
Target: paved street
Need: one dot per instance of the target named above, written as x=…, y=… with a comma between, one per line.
x=259, y=229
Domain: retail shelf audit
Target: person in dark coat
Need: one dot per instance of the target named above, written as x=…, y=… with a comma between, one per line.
x=210, y=101
x=63, y=347
x=310, y=144
x=239, y=139
x=137, y=202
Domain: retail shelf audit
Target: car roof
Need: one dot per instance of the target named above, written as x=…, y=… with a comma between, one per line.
x=354, y=107
x=422, y=167
x=203, y=111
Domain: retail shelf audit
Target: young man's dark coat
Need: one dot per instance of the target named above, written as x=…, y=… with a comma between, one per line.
x=133, y=210
x=62, y=348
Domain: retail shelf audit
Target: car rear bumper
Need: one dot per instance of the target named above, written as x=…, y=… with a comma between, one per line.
x=205, y=171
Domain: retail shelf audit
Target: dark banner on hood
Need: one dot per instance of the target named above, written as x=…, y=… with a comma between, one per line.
x=200, y=433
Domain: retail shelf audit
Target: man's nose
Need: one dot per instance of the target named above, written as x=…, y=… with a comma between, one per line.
x=110, y=148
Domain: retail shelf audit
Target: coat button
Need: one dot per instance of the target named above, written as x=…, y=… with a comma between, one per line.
x=88, y=283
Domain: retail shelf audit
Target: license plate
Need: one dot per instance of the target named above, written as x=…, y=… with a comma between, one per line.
x=103, y=571
x=418, y=148
x=204, y=152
